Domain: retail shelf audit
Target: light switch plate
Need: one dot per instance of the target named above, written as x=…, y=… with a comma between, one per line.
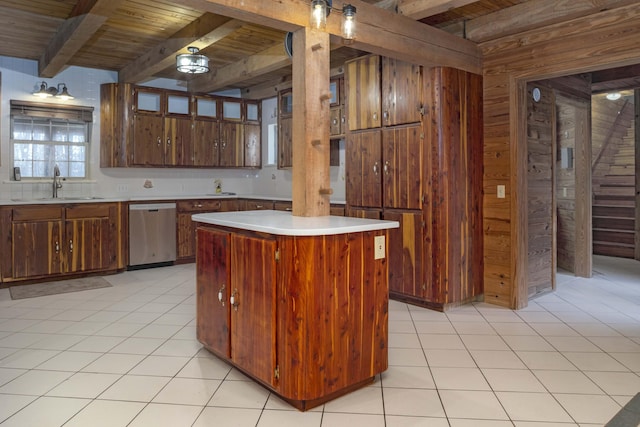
x=501, y=191
x=379, y=247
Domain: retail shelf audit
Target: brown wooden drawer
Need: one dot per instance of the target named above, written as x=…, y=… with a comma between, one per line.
x=206, y=205
x=255, y=205
x=282, y=206
x=88, y=211
x=29, y=213
x=336, y=210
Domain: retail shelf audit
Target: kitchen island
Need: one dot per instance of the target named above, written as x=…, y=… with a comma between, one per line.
x=299, y=304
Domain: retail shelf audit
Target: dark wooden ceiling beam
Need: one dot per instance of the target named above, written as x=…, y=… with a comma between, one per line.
x=534, y=14
x=203, y=32
x=379, y=31
x=73, y=33
x=266, y=61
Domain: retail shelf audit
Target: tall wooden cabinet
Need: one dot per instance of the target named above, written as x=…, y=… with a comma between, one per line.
x=413, y=155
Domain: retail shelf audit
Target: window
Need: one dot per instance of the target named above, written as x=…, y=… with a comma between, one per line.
x=43, y=135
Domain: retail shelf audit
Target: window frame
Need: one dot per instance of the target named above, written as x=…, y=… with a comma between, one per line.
x=51, y=113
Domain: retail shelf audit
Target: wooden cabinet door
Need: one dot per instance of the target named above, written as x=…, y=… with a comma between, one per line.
x=231, y=146
x=186, y=228
x=36, y=248
x=252, y=146
x=402, y=168
x=285, y=143
x=206, y=136
x=148, y=144
x=364, y=169
x=405, y=253
x=362, y=80
x=253, y=317
x=90, y=237
x=213, y=291
x=178, y=141
x=401, y=92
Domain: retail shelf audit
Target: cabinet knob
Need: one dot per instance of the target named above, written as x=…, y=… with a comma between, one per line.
x=334, y=121
x=259, y=206
x=386, y=167
x=199, y=205
x=159, y=141
x=168, y=141
x=70, y=245
x=221, y=295
x=57, y=247
x=385, y=115
x=375, y=168
x=375, y=117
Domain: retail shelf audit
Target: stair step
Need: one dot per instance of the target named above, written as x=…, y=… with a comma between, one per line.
x=617, y=237
x=614, y=210
x=608, y=249
x=614, y=223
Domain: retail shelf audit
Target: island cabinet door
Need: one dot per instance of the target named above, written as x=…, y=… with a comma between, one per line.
x=213, y=309
x=253, y=313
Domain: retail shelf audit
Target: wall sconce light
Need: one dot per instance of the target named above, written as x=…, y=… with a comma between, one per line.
x=193, y=62
x=46, y=91
x=320, y=10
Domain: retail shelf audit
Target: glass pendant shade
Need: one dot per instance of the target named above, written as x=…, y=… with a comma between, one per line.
x=348, y=22
x=319, y=14
x=193, y=62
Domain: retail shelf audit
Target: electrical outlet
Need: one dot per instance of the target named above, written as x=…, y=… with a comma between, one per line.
x=379, y=247
x=501, y=191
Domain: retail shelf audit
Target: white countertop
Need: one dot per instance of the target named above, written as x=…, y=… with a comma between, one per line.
x=82, y=199
x=285, y=224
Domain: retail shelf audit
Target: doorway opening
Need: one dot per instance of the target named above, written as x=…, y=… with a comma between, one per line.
x=583, y=185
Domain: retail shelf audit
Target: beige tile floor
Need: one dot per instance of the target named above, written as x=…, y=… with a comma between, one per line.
x=127, y=356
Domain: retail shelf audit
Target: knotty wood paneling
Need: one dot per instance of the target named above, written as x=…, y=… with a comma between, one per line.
x=336, y=285
x=510, y=62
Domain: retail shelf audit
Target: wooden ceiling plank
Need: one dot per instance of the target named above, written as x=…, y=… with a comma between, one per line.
x=72, y=34
x=419, y=9
x=203, y=32
x=379, y=31
x=534, y=14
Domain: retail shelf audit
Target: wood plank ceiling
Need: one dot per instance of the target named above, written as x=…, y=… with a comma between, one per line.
x=140, y=38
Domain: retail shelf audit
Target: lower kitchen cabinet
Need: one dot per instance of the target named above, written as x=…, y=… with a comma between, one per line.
x=288, y=317
x=186, y=229
x=406, y=260
x=53, y=240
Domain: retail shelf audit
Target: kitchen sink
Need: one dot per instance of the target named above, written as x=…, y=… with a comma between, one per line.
x=71, y=198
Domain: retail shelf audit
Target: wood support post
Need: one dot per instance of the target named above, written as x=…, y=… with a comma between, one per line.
x=310, y=123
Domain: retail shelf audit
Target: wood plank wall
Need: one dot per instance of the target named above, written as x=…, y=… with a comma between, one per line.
x=510, y=62
x=541, y=129
x=573, y=190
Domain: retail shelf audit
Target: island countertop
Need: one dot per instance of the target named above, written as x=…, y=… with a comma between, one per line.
x=285, y=224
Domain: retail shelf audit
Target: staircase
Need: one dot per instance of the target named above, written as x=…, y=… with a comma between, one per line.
x=614, y=217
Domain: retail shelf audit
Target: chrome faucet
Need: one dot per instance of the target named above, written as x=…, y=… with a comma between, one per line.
x=56, y=181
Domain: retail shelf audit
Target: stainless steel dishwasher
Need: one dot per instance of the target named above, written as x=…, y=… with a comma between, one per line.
x=152, y=233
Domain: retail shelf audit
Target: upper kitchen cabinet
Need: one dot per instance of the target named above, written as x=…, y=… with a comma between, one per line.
x=363, y=98
x=285, y=124
x=382, y=91
x=143, y=127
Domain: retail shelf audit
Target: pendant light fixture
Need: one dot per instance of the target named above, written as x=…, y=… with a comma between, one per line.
x=320, y=10
x=348, y=22
x=193, y=62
